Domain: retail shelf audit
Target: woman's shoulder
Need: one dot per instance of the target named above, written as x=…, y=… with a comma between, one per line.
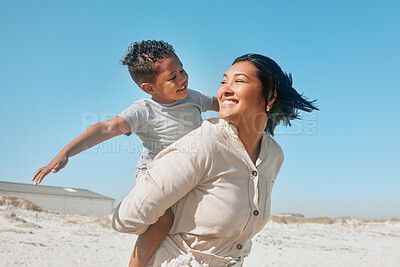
x=208, y=130
x=273, y=147
x=199, y=140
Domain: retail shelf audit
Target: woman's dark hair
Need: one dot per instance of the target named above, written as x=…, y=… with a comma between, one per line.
x=273, y=80
x=142, y=57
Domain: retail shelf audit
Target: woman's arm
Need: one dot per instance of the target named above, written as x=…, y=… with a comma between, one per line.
x=167, y=180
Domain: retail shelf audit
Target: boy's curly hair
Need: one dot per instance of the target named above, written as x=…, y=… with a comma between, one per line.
x=142, y=59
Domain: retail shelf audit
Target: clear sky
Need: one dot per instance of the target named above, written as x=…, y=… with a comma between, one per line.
x=60, y=72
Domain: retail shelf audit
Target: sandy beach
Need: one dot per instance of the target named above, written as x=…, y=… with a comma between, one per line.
x=33, y=237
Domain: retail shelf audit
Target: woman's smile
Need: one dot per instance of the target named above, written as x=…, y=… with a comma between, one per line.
x=240, y=95
x=228, y=102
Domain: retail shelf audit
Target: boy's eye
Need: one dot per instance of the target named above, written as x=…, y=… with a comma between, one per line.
x=173, y=78
x=223, y=82
x=181, y=71
x=239, y=81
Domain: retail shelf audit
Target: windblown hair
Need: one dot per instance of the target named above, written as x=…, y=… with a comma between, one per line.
x=142, y=59
x=273, y=80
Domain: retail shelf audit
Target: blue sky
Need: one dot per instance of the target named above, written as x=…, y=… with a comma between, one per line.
x=60, y=72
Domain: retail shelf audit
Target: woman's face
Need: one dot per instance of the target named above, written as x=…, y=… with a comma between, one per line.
x=239, y=96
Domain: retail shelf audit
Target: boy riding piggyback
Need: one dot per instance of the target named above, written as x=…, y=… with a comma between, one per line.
x=172, y=111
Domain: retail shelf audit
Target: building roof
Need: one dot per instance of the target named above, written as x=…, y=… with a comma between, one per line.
x=49, y=190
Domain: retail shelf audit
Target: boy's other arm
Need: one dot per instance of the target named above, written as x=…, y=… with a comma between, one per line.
x=94, y=135
x=215, y=105
x=148, y=242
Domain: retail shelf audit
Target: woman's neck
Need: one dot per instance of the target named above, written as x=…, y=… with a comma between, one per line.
x=251, y=137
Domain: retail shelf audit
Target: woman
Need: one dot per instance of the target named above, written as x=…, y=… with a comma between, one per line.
x=218, y=178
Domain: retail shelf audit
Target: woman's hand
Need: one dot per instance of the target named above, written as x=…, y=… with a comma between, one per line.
x=59, y=162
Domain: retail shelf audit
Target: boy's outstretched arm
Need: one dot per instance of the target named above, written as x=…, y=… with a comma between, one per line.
x=148, y=242
x=215, y=105
x=94, y=135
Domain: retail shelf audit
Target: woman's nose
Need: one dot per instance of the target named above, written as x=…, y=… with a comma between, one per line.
x=226, y=90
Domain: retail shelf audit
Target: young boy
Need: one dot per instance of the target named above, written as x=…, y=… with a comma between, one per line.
x=172, y=111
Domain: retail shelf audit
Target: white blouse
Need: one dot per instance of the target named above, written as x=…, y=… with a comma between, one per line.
x=219, y=197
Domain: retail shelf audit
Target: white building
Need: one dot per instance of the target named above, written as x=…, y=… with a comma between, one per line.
x=66, y=200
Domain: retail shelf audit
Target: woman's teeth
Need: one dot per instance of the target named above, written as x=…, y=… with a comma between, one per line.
x=229, y=102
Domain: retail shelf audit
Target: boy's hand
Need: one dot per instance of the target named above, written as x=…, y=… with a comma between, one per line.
x=59, y=162
x=215, y=105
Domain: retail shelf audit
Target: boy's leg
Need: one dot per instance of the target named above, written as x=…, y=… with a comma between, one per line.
x=148, y=242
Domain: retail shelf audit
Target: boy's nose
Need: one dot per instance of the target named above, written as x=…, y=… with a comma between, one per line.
x=183, y=77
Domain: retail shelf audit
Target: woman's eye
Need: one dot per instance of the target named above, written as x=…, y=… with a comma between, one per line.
x=173, y=78
x=181, y=71
x=239, y=81
x=223, y=82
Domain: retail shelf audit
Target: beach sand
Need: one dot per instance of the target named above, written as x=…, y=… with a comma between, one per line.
x=33, y=237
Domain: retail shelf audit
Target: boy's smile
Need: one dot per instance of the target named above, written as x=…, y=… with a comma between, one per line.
x=171, y=82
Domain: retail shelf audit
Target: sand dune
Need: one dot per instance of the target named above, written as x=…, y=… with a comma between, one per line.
x=31, y=236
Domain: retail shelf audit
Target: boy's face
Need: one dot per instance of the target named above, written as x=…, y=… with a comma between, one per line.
x=171, y=82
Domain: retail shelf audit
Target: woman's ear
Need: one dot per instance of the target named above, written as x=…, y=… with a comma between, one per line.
x=271, y=102
x=148, y=88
